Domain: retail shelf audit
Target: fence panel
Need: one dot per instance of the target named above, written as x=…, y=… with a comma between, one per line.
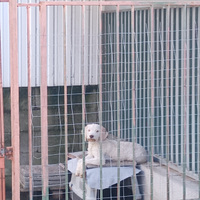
x=134, y=71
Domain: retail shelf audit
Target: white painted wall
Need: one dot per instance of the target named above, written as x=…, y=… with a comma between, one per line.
x=55, y=46
x=4, y=23
x=160, y=184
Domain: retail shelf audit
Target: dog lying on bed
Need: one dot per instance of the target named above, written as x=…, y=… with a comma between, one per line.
x=93, y=133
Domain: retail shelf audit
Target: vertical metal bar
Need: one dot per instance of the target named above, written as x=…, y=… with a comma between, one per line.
x=172, y=85
x=109, y=59
x=122, y=75
x=193, y=89
x=65, y=103
x=177, y=88
x=140, y=62
x=29, y=106
x=2, y=145
x=182, y=85
x=112, y=60
x=125, y=74
x=100, y=96
x=129, y=74
x=43, y=99
x=108, y=70
x=188, y=61
x=73, y=11
x=14, y=96
x=133, y=101
x=115, y=77
x=83, y=97
x=118, y=104
x=148, y=79
x=198, y=78
x=167, y=100
x=120, y=69
x=55, y=43
x=144, y=125
x=185, y=100
x=90, y=15
x=157, y=84
x=152, y=98
x=135, y=72
x=162, y=82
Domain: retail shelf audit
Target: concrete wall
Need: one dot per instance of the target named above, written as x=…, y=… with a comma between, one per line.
x=160, y=184
x=55, y=122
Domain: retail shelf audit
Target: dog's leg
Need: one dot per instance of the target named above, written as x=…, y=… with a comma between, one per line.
x=91, y=161
x=95, y=161
x=89, y=156
x=79, y=168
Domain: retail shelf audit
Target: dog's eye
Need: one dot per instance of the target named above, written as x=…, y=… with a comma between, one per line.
x=97, y=131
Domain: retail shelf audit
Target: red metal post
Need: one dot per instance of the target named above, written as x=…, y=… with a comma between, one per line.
x=65, y=100
x=2, y=157
x=29, y=106
x=100, y=96
x=83, y=98
x=43, y=101
x=14, y=97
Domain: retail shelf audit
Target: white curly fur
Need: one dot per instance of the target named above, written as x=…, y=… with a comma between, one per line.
x=93, y=134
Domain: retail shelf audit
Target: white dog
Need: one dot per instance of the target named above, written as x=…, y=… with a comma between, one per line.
x=93, y=134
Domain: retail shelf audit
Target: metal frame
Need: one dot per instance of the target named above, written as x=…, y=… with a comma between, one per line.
x=14, y=97
x=44, y=123
x=2, y=145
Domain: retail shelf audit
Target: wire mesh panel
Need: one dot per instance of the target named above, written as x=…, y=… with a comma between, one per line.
x=110, y=72
x=132, y=77
x=142, y=61
x=179, y=114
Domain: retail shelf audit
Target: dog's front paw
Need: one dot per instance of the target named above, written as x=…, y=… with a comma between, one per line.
x=79, y=169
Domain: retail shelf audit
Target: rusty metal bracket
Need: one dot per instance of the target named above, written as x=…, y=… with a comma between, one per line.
x=2, y=152
x=7, y=153
x=2, y=162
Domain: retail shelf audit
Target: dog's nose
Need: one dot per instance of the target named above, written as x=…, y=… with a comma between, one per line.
x=91, y=136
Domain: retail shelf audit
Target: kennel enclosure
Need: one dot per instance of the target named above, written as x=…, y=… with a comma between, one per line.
x=131, y=66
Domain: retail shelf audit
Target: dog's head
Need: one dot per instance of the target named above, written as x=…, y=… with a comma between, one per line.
x=94, y=132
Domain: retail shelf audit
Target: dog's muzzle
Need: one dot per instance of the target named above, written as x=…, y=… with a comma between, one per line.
x=91, y=138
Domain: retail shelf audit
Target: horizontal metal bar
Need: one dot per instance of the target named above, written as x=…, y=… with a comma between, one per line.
x=109, y=3
x=4, y=1
x=86, y=3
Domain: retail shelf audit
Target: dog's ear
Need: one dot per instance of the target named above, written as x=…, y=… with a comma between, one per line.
x=85, y=132
x=104, y=133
